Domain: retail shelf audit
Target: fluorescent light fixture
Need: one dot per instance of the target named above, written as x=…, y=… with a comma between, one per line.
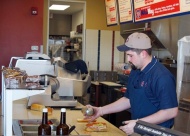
x=58, y=7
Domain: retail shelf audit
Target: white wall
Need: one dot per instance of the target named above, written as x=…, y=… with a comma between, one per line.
x=105, y=50
x=77, y=19
x=91, y=51
x=119, y=40
x=105, y=57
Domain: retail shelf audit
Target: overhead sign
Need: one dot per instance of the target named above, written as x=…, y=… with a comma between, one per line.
x=111, y=12
x=151, y=9
x=125, y=12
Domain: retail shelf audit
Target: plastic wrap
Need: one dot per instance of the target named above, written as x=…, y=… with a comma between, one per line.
x=183, y=68
x=182, y=121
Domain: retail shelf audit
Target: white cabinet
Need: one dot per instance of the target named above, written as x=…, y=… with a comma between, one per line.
x=8, y=96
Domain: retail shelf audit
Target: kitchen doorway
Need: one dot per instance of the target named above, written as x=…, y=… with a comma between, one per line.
x=67, y=30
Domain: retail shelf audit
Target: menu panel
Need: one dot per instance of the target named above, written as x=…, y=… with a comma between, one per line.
x=111, y=12
x=150, y=9
x=125, y=12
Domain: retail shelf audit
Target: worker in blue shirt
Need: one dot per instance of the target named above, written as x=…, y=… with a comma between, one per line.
x=151, y=90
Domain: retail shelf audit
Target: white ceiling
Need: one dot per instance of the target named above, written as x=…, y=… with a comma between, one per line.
x=74, y=7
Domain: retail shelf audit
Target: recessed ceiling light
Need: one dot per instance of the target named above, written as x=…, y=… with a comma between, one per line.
x=58, y=7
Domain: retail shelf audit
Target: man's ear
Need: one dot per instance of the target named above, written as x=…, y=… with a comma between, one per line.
x=144, y=53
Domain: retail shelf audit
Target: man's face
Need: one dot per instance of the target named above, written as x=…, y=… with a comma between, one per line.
x=134, y=59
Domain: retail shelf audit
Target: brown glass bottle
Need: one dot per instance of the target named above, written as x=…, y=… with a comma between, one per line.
x=62, y=128
x=44, y=128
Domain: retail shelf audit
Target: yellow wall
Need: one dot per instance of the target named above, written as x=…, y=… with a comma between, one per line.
x=96, y=16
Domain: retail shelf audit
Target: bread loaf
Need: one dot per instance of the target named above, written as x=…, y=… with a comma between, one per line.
x=37, y=107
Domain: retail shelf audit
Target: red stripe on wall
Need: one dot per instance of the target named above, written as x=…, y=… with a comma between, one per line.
x=19, y=29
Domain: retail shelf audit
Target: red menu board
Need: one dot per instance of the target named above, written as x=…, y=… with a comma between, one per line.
x=111, y=12
x=150, y=9
x=125, y=12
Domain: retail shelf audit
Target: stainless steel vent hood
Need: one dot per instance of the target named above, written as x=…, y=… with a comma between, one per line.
x=164, y=33
x=141, y=27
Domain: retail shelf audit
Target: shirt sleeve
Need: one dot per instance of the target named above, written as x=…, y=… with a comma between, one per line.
x=166, y=92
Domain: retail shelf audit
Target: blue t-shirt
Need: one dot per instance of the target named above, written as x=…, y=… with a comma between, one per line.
x=159, y=85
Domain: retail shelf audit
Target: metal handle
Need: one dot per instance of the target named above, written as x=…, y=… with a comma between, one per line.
x=71, y=129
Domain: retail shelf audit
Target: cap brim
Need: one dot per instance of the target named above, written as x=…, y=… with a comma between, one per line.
x=123, y=48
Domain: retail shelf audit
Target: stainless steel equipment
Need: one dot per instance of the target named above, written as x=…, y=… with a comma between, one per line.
x=62, y=90
x=164, y=33
x=87, y=111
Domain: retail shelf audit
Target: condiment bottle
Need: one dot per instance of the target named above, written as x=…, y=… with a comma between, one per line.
x=62, y=128
x=44, y=128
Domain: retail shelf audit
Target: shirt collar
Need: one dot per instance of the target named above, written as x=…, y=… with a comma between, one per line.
x=149, y=66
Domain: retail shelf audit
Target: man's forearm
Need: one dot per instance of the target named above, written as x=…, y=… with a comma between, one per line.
x=161, y=116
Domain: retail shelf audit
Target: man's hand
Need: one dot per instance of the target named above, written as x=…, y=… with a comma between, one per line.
x=97, y=113
x=128, y=128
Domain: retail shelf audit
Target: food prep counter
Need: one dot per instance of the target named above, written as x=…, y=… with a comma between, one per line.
x=20, y=112
x=14, y=108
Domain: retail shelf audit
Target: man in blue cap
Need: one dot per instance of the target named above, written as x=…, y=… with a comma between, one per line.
x=151, y=89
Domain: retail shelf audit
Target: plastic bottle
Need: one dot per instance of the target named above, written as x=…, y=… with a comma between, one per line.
x=44, y=128
x=62, y=128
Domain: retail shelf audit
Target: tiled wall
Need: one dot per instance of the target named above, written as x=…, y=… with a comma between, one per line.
x=101, y=52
